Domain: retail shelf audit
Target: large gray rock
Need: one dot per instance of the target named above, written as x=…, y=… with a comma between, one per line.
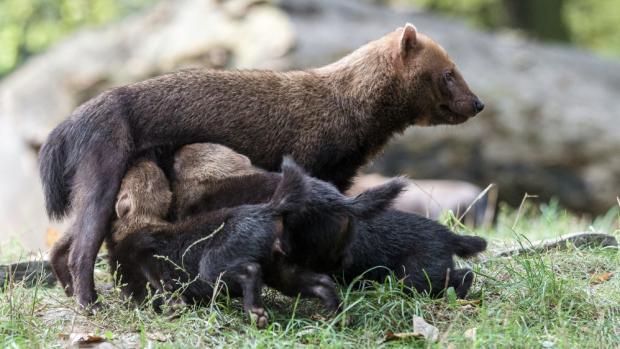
x=550, y=127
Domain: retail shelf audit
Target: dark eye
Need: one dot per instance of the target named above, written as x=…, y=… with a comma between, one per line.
x=449, y=75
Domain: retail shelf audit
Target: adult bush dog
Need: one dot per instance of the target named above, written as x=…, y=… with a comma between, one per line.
x=331, y=119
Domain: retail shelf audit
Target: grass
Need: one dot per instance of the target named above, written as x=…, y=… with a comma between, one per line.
x=537, y=300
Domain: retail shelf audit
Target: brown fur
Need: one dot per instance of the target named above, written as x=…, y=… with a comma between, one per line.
x=143, y=199
x=193, y=179
x=330, y=119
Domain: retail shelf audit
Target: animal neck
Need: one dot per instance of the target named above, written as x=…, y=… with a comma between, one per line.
x=364, y=86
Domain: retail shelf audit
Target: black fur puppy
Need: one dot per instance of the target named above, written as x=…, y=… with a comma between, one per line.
x=417, y=249
x=242, y=246
x=211, y=176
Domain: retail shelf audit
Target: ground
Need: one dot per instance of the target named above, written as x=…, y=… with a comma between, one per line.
x=559, y=299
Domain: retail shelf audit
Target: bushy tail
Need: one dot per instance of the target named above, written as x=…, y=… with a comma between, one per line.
x=54, y=174
x=467, y=246
x=291, y=192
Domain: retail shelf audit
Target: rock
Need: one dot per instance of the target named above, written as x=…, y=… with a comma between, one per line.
x=29, y=274
x=431, y=198
x=580, y=239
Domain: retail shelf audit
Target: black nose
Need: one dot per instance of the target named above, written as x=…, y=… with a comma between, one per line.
x=478, y=106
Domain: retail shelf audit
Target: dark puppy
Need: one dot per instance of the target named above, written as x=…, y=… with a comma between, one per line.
x=240, y=246
x=387, y=241
x=415, y=249
x=324, y=220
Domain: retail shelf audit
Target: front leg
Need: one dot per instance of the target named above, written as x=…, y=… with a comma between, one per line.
x=248, y=277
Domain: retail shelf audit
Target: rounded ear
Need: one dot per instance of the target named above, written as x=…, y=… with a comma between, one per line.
x=408, y=40
x=123, y=205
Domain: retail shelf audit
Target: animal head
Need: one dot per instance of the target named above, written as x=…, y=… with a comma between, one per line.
x=209, y=162
x=320, y=232
x=427, y=74
x=144, y=192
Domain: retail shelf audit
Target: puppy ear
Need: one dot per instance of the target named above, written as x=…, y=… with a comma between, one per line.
x=408, y=40
x=377, y=199
x=345, y=237
x=123, y=205
x=289, y=165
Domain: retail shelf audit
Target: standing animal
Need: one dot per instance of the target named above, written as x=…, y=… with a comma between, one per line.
x=416, y=249
x=330, y=119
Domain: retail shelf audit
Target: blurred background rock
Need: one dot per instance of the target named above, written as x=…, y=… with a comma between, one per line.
x=547, y=70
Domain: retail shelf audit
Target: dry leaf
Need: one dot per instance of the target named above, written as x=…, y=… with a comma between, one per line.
x=424, y=329
x=468, y=301
x=421, y=329
x=391, y=336
x=51, y=236
x=600, y=278
x=157, y=336
x=318, y=317
x=470, y=333
x=81, y=338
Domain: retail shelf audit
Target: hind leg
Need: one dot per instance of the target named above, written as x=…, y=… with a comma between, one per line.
x=461, y=280
x=293, y=281
x=59, y=258
x=96, y=183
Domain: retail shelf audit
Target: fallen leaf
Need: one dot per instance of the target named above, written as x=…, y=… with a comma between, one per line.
x=600, y=278
x=468, y=301
x=318, y=317
x=424, y=329
x=391, y=336
x=421, y=329
x=81, y=338
x=470, y=333
x=51, y=236
x=157, y=336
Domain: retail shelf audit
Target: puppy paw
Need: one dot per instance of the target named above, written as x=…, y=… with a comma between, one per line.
x=259, y=317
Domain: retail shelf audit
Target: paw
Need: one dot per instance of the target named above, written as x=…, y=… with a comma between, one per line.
x=91, y=309
x=259, y=317
x=176, y=303
x=68, y=290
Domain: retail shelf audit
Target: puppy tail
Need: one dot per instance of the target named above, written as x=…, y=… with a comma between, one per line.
x=54, y=174
x=291, y=192
x=468, y=246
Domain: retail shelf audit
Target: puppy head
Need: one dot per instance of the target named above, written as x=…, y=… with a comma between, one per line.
x=322, y=229
x=207, y=162
x=144, y=192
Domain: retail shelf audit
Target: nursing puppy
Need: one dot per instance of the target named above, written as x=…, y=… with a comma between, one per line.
x=224, y=179
x=241, y=246
x=417, y=250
